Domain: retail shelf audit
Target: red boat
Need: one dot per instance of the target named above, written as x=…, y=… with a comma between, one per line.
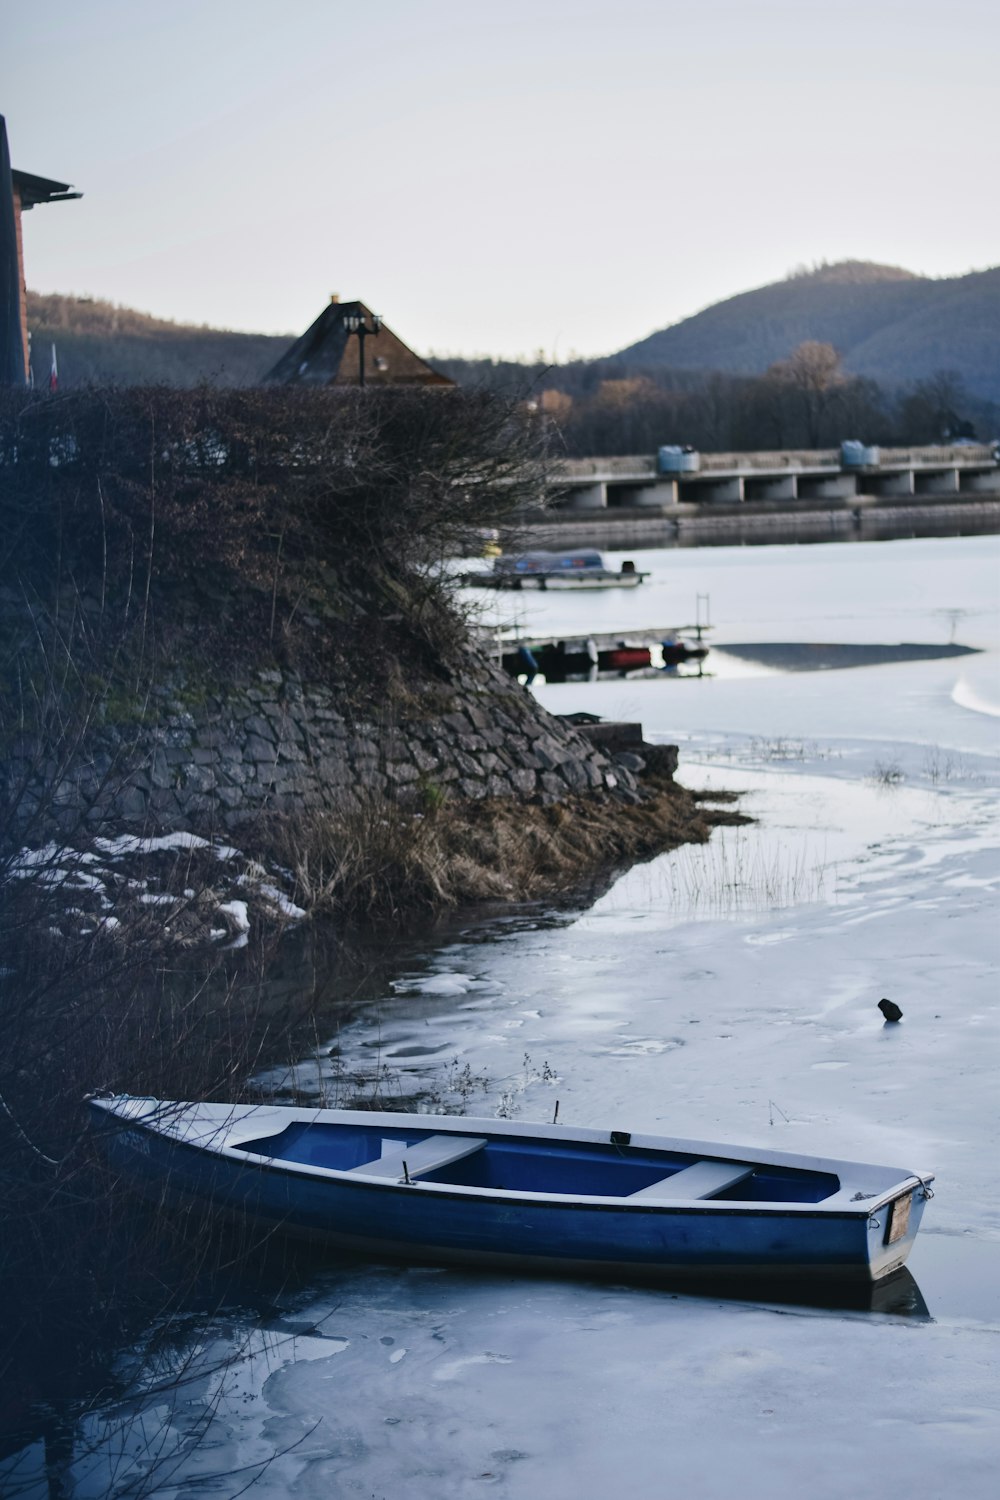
x=624, y=658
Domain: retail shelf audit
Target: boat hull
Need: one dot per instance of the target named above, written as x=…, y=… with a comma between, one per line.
x=722, y=1242
x=553, y=580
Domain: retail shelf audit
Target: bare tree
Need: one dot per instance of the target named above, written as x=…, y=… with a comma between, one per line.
x=812, y=374
x=935, y=410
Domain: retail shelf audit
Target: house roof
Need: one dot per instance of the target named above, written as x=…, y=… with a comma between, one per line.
x=32, y=189
x=326, y=354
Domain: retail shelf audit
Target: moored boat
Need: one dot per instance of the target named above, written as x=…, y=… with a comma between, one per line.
x=539, y=1198
x=584, y=568
x=588, y=658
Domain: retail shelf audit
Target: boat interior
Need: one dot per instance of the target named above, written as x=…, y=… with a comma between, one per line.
x=524, y=1164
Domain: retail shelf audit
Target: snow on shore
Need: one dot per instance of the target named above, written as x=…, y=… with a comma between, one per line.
x=204, y=890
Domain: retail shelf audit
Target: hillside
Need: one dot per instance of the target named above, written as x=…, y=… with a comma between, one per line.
x=887, y=323
x=97, y=342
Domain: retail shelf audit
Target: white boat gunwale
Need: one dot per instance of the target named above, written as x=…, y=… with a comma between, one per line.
x=836, y=1205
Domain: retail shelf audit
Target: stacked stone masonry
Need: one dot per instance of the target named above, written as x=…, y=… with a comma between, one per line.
x=278, y=744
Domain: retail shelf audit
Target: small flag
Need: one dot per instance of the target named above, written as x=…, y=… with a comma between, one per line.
x=54, y=372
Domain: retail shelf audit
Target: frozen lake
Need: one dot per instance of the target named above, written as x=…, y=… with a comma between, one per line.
x=726, y=992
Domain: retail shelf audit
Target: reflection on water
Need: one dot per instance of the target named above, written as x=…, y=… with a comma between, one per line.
x=272, y=1282
x=805, y=531
x=735, y=659
x=896, y=1296
x=289, y=1270
x=265, y=1280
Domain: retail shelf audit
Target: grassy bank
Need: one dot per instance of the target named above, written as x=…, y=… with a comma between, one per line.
x=384, y=860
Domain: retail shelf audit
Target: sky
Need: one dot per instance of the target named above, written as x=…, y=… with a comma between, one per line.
x=502, y=177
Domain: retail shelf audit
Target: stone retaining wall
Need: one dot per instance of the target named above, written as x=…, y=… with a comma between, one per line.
x=278, y=744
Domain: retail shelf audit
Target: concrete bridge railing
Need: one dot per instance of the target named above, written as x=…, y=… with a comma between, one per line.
x=633, y=481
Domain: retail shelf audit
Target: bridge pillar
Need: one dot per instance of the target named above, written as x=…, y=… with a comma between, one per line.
x=770, y=487
x=936, y=482
x=623, y=495
x=900, y=483
x=827, y=486
x=586, y=497
x=980, y=482
x=701, y=491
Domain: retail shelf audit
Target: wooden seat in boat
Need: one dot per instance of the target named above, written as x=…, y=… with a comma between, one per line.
x=704, y=1179
x=422, y=1157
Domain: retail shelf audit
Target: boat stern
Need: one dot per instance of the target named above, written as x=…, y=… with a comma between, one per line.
x=892, y=1228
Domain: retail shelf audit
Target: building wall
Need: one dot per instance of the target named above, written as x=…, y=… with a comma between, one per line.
x=22, y=287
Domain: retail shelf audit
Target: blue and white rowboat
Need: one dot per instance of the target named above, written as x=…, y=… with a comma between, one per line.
x=543, y=1198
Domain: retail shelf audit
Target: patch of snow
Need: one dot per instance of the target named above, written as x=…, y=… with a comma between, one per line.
x=43, y=856
x=128, y=843
x=281, y=901
x=58, y=878
x=225, y=852
x=237, y=910
x=49, y=854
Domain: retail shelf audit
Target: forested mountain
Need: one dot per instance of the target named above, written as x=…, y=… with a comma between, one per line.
x=853, y=350
x=99, y=343
x=884, y=322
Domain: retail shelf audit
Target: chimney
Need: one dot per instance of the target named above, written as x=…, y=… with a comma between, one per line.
x=334, y=296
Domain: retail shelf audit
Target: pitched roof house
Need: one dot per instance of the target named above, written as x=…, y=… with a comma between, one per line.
x=332, y=352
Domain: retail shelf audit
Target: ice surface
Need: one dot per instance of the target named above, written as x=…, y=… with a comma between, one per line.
x=727, y=992
x=445, y=983
x=941, y=589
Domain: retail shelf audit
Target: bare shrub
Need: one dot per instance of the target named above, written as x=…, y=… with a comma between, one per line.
x=888, y=774
x=284, y=503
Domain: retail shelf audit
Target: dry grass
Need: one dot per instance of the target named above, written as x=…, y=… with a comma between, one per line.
x=383, y=860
